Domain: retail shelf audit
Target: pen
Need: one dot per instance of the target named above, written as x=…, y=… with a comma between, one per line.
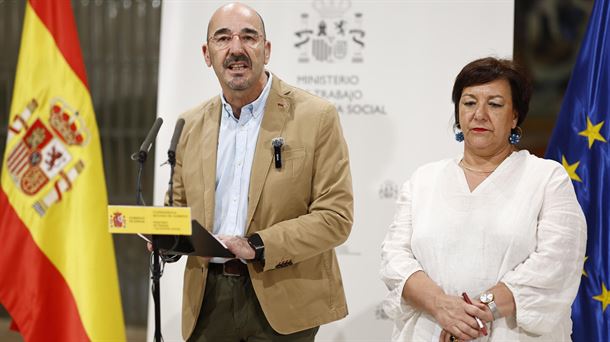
x=481, y=325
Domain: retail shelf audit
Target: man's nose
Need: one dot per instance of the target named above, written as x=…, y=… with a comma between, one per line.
x=236, y=46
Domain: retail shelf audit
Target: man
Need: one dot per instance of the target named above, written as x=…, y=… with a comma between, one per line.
x=281, y=218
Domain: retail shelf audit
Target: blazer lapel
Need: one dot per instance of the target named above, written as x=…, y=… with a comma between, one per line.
x=276, y=112
x=211, y=129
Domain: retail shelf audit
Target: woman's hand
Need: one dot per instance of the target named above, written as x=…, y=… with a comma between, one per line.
x=447, y=337
x=456, y=317
x=452, y=313
x=486, y=316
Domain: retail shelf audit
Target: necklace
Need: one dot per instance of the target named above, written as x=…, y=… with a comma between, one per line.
x=463, y=165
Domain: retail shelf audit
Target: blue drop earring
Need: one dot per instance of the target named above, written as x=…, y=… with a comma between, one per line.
x=515, y=135
x=459, y=135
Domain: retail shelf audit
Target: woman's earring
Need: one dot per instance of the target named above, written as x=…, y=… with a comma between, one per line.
x=515, y=135
x=459, y=135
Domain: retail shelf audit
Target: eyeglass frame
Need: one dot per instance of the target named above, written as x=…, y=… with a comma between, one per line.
x=225, y=33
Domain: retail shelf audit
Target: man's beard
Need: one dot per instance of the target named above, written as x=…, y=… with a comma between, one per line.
x=245, y=83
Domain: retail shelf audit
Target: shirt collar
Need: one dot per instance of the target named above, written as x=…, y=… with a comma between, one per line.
x=255, y=107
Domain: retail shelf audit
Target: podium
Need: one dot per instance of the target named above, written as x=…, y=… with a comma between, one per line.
x=172, y=234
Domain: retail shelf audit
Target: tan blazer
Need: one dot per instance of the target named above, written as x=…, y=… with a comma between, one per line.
x=301, y=211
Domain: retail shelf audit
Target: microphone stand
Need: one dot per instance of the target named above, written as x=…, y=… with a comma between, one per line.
x=156, y=270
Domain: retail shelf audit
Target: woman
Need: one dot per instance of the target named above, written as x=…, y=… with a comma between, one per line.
x=501, y=225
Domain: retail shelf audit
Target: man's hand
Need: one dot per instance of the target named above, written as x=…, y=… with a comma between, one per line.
x=239, y=246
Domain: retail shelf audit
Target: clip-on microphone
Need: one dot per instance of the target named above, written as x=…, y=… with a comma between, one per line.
x=277, y=144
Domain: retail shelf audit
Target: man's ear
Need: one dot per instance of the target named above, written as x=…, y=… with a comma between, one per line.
x=206, y=54
x=267, y=51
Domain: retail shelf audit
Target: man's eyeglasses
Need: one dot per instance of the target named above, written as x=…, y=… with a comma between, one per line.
x=250, y=39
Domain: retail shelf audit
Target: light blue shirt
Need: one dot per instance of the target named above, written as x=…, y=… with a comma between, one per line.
x=236, y=145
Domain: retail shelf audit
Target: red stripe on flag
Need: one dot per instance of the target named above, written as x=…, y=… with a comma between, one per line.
x=31, y=289
x=58, y=18
x=16, y=156
x=21, y=168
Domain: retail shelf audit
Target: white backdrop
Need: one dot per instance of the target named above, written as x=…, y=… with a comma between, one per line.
x=389, y=67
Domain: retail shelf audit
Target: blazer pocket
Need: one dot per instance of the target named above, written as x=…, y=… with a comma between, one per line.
x=296, y=157
x=292, y=163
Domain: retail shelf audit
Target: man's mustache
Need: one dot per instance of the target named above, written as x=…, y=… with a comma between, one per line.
x=236, y=58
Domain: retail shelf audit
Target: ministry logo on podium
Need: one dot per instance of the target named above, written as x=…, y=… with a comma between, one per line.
x=117, y=220
x=332, y=33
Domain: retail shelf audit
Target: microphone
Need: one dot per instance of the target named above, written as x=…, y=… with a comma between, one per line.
x=149, y=140
x=173, y=241
x=277, y=144
x=176, y=137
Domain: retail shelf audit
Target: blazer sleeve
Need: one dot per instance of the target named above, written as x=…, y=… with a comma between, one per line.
x=329, y=216
x=545, y=284
x=397, y=260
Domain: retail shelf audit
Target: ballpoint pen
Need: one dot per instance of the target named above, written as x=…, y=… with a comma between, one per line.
x=482, y=327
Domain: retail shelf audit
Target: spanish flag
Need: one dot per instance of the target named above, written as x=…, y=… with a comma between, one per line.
x=58, y=276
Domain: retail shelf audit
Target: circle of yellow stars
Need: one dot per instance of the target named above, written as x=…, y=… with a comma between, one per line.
x=592, y=133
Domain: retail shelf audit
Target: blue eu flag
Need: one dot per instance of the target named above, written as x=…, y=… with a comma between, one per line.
x=580, y=143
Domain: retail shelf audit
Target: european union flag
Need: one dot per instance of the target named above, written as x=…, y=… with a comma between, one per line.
x=580, y=143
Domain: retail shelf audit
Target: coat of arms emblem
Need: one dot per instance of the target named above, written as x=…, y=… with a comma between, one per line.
x=42, y=155
x=117, y=220
x=331, y=36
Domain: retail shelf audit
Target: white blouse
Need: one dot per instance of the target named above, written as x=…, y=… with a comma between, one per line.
x=521, y=226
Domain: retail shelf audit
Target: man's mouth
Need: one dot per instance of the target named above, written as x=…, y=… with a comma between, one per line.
x=237, y=63
x=237, y=66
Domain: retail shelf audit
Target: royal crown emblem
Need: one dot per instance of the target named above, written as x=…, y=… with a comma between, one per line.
x=331, y=8
x=65, y=123
x=42, y=155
